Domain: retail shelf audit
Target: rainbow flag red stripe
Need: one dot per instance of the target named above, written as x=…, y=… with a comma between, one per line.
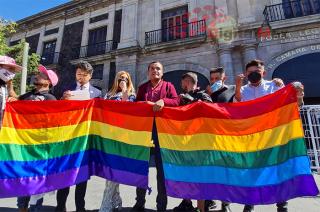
x=250, y=153
x=55, y=144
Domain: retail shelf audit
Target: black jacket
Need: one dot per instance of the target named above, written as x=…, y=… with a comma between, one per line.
x=37, y=96
x=188, y=98
x=224, y=95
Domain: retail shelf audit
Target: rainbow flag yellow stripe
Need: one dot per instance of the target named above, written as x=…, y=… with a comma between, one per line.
x=55, y=144
x=249, y=153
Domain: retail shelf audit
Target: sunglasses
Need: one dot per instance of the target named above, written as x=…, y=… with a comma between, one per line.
x=123, y=79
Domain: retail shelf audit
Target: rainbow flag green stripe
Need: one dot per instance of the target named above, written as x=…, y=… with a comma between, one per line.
x=59, y=149
x=245, y=153
x=56, y=144
x=248, y=160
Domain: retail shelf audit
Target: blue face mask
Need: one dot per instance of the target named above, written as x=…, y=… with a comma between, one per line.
x=216, y=86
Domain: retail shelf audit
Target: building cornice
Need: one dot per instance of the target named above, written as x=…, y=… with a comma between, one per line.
x=65, y=11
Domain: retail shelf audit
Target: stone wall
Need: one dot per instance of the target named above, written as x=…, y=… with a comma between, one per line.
x=70, y=47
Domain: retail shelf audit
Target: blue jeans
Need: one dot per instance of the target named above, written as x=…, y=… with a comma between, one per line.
x=23, y=202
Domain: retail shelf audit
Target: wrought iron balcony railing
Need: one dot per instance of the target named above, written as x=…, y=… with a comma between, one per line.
x=187, y=30
x=291, y=9
x=95, y=49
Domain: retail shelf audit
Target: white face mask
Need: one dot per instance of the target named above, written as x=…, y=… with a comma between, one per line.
x=6, y=75
x=216, y=86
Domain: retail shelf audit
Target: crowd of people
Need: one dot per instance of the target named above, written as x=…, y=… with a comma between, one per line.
x=156, y=92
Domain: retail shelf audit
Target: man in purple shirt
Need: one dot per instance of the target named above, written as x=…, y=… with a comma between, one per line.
x=157, y=93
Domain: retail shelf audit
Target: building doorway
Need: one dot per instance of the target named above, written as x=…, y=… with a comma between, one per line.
x=306, y=69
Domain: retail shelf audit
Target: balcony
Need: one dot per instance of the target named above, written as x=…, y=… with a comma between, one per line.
x=179, y=32
x=54, y=58
x=291, y=9
x=96, y=49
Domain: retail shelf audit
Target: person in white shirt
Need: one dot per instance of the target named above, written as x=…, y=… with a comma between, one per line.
x=258, y=87
x=83, y=76
x=84, y=72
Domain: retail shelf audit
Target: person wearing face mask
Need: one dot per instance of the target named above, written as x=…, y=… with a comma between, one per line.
x=218, y=90
x=8, y=68
x=220, y=93
x=122, y=90
x=44, y=80
x=258, y=87
x=190, y=94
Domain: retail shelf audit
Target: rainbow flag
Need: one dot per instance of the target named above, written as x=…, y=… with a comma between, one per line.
x=55, y=144
x=251, y=153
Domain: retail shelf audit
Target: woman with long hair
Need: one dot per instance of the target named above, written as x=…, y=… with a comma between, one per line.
x=122, y=90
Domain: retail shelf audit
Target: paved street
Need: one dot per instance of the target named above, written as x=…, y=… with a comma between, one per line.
x=96, y=186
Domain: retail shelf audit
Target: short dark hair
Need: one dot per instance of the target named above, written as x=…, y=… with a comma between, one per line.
x=254, y=63
x=85, y=66
x=153, y=62
x=219, y=70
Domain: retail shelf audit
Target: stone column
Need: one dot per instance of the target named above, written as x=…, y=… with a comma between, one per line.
x=40, y=42
x=105, y=79
x=129, y=25
x=225, y=60
x=245, y=11
x=157, y=15
x=85, y=30
x=249, y=52
x=111, y=23
x=232, y=8
x=60, y=36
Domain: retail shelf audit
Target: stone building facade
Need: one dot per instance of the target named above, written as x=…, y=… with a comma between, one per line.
x=185, y=35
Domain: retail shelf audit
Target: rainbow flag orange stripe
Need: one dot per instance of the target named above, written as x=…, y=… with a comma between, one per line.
x=52, y=145
x=249, y=153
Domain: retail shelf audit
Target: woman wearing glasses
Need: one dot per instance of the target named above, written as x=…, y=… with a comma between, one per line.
x=122, y=90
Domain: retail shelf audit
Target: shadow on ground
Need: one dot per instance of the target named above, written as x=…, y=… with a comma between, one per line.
x=51, y=209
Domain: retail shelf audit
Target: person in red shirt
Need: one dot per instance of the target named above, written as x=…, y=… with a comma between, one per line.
x=157, y=93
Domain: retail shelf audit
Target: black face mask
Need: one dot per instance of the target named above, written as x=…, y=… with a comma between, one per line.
x=254, y=77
